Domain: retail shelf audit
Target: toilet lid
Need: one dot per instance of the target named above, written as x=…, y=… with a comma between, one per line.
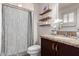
x=34, y=47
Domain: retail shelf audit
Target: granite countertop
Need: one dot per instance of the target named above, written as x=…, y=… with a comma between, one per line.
x=62, y=39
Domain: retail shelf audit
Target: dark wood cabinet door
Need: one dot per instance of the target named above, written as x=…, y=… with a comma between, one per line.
x=67, y=50
x=46, y=47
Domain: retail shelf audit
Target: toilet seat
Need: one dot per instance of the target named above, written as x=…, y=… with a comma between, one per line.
x=34, y=49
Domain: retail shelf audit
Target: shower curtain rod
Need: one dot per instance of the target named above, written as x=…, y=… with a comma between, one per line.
x=13, y=6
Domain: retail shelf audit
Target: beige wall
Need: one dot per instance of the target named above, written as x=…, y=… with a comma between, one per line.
x=36, y=17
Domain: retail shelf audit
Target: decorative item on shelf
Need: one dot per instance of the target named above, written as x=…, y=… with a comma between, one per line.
x=45, y=24
x=45, y=19
x=46, y=9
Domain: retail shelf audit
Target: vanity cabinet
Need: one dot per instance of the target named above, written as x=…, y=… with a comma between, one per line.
x=52, y=48
x=67, y=50
x=48, y=47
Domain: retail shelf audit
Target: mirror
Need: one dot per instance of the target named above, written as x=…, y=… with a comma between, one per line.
x=67, y=12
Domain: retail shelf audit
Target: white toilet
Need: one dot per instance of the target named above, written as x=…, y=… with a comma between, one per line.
x=34, y=50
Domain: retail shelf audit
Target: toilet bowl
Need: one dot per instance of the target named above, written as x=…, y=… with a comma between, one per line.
x=34, y=50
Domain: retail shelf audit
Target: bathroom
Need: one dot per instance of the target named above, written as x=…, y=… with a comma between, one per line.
x=39, y=29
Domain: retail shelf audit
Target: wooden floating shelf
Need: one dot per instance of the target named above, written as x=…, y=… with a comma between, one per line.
x=46, y=11
x=45, y=19
x=45, y=25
